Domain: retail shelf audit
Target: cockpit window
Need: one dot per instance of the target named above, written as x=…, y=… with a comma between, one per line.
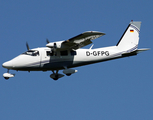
x=32, y=53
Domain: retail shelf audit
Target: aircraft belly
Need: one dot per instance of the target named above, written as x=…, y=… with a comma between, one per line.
x=55, y=64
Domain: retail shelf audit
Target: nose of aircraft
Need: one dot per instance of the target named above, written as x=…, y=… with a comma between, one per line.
x=7, y=64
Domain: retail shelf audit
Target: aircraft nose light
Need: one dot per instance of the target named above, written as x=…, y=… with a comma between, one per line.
x=7, y=64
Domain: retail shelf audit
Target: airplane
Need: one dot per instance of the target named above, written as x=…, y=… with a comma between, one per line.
x=65, y=55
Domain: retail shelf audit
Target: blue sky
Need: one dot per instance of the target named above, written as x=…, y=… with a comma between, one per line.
x=113, y=90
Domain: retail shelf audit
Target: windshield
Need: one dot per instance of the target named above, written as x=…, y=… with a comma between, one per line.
x=32, y=53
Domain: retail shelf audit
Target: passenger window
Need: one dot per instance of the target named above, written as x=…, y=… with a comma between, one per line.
x=49, y=53
x=64, y=53
x=73, y=53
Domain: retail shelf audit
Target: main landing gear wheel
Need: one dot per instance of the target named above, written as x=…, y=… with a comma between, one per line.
x=56, y=76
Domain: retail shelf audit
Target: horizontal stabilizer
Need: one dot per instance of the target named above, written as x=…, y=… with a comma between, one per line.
x=142, y=49
x=135, y=52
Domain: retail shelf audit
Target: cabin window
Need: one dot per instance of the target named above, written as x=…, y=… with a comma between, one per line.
x=73, y=53
x=31, y=53
x=49, y=53
x=64, y=53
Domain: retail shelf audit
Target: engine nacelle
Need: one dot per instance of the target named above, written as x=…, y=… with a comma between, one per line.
x=8, y=75
x=56, y=45
x=69, y=71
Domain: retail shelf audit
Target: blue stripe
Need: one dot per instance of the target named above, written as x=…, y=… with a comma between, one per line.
x=135, y=28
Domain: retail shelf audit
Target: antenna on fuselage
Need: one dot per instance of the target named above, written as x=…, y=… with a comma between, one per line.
x=91, y=46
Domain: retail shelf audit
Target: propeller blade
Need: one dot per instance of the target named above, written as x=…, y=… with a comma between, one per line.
x=27, y=46
x=55, y=46
x=47, y=41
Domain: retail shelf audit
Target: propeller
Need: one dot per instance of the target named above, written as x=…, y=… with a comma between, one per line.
x=55, y=46
x=47, y=41
x=27, y=46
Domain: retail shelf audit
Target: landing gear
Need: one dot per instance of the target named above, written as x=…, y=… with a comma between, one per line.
x=6, y=78
x=56, y=76
x=8, y=75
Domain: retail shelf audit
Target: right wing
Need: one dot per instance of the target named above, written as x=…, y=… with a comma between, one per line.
x=76, y=42
x=82, y=40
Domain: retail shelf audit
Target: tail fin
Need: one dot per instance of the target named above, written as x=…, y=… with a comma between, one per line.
x=130, y=39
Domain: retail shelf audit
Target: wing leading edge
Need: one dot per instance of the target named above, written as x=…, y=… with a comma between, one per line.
x=82, y=39
x=76, y=42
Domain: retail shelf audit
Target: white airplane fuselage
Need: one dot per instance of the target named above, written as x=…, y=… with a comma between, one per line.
x=69, y=59
x=64, y=55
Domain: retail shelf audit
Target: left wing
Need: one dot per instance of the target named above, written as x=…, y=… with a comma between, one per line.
x=82, y=40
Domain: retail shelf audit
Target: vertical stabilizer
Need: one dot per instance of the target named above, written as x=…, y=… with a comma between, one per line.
x=130, y=39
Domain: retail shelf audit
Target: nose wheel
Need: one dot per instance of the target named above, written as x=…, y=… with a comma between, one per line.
x=6, y=78
x=8, y=75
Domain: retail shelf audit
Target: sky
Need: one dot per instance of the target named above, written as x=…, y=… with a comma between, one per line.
x=120, y=89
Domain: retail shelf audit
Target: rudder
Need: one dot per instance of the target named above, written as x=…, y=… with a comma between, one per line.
x=130, y=39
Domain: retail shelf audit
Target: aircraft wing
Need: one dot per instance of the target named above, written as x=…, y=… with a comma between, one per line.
x=82, y=39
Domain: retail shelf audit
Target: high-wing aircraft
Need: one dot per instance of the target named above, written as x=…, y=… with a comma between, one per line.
x=65, y=55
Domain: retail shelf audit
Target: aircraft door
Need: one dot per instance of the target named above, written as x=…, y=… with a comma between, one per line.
x=44, y=58
x=47, y=58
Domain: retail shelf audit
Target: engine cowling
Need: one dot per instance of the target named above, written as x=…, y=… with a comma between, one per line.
x=56, y=45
